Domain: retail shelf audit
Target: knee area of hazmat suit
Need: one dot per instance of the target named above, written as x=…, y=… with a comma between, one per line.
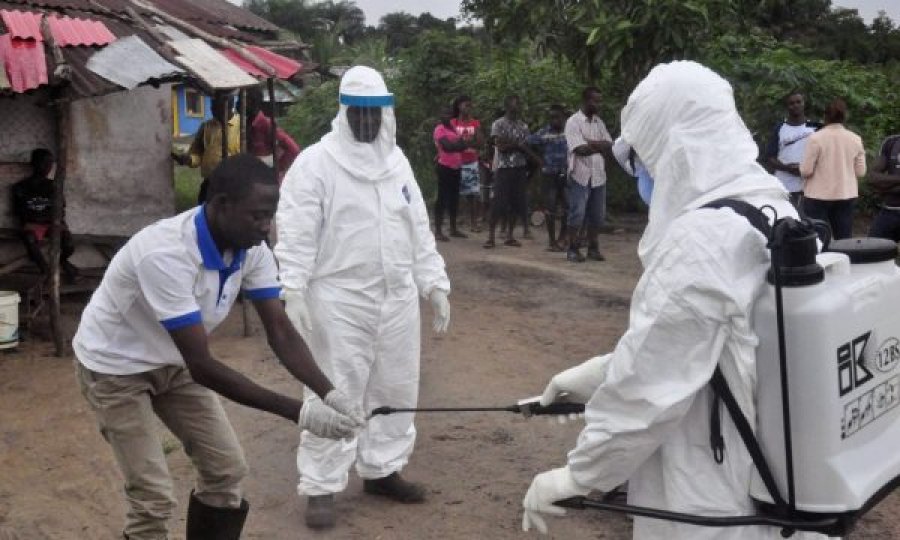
x=648, y=421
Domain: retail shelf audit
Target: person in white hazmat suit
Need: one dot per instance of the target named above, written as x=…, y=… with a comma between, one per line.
x=355, y=251
x=648, y=402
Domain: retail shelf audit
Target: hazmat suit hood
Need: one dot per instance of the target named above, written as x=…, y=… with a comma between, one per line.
x=374, y=161
x=669, y=120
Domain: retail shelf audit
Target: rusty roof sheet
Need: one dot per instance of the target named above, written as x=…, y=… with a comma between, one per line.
x=129, y=62
x=211, y=67
x=69, y=32
x=215, y=12
x=284, y=67
x=24, y=62
x=22, y=24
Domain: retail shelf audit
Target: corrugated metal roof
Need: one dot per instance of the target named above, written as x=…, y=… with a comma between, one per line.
x=240, y=62
x=213, y=11
x=22, y=24
x=24, y=62
x=130, y=62
x=209, y=66
x=69, y=32
x=217, y=12
x=171, y=32
x=284, y=67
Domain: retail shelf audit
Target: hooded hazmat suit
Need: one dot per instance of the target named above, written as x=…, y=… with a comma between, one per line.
x=648, y=417
x=354, y=245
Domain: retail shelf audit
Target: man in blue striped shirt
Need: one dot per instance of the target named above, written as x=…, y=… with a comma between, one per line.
x=550, y=141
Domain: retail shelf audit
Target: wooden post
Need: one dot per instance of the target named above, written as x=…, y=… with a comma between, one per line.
x=245, y=304
x=59, y=201
x=62, y=107
x=223, y=123
x=244, y=119
x=274, y=133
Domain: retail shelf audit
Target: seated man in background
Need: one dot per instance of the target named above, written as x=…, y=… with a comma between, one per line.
x=32, y=202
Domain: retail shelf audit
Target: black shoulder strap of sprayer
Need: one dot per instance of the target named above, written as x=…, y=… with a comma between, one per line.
x=723, y=392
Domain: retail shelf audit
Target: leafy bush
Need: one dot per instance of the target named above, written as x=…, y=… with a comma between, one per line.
x=762, y=70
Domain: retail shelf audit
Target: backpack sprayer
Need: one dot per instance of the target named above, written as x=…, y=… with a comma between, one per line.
x=828, y=385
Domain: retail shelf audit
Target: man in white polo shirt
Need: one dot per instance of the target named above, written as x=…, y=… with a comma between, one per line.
x=142, y=352
x=588, y=141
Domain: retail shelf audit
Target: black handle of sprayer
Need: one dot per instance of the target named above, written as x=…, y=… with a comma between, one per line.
x=556, y=408
x=573, y=502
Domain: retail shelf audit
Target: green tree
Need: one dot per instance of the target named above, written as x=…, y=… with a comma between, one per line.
x=400, y=29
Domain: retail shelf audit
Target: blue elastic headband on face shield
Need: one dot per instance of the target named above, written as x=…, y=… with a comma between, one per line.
x=367, y=101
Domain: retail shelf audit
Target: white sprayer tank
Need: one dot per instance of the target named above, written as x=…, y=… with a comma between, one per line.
x=843, y=354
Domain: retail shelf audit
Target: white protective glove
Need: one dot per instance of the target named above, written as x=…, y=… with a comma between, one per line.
x=298, y=311
x=324, y=421
x=578, y=383
x=441, y=307
x=339, y=401
x=547, y=488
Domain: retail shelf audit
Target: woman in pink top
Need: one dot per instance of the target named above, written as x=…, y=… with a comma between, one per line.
x=449, y=159
x=469, y=128
x=833, y=160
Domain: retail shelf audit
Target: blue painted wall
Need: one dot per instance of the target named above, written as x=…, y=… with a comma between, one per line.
x=184, y=123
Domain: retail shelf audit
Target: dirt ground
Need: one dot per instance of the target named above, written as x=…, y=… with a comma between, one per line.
x=519, y=316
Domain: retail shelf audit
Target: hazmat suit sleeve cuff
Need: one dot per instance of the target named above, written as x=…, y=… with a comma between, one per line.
x=444, y=287
x=571, y=484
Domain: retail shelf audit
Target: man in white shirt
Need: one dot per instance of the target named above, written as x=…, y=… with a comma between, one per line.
x=787, y=143
x=587, y=139
x=142, y=351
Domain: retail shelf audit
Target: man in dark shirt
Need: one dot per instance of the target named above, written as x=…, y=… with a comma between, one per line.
x=32, y=202
x=885, y=181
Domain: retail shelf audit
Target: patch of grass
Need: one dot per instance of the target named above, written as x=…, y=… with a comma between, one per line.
x=187, y=184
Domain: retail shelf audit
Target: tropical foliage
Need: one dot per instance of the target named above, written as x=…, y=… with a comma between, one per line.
x=546, y=50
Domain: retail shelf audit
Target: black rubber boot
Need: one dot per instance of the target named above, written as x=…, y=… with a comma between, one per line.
x=395, y=488
x=320, y=512
x=212, y=523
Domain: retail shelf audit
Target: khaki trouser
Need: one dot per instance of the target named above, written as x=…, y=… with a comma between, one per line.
x=125, y=405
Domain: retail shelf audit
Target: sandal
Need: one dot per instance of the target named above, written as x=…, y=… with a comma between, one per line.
x=512, y=242
x=489, y=244
x=457, y=234
x=441, y=237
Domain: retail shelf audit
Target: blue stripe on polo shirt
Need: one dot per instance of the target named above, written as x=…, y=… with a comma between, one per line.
x=264, y=293
x=181, y=321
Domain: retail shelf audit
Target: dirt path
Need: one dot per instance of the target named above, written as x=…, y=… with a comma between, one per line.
x=519, y=316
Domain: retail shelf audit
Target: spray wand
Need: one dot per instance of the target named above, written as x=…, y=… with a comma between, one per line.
x=528, y=407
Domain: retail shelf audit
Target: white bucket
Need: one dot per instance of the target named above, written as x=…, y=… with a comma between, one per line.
x=9, y=319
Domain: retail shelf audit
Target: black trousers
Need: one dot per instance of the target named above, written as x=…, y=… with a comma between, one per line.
x=448, y=196
x=838, y=214
x=510, y=193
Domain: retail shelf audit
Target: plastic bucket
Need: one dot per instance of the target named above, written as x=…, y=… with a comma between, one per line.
x=9, y=319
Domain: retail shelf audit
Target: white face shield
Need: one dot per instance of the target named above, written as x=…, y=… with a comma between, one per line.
x=363, y=134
